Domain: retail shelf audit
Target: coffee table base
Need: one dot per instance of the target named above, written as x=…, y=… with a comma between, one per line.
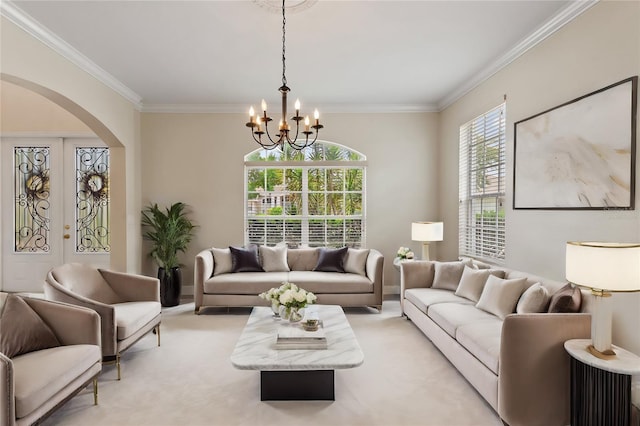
x=297, y=385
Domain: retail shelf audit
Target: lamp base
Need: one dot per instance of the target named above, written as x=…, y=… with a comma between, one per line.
x=606, y=355
x=425, y=251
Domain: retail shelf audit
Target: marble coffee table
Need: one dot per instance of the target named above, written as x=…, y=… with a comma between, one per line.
x=299, y=374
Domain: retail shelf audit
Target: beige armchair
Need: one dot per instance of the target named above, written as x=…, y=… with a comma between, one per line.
x=36, y=383
x=128, y=304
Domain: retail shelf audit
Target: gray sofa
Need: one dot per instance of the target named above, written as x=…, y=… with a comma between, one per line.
x=516, y=361
x=35, y=383
x=216, y=285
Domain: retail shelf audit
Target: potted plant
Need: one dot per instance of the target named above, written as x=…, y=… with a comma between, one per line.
x=170, y=232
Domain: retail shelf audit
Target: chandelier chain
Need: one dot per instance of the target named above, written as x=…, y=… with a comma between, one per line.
x=286, y=133
x=284, y=66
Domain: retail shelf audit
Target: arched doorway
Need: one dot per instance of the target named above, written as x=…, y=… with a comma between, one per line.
x=117, y=185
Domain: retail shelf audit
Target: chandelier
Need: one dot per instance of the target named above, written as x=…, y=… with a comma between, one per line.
x=259, y=124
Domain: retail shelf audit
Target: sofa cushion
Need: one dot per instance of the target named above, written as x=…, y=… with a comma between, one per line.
x=499, y=296
x=482, y=339
x=425, y=297
x=473, y=280
x=222, y=263
x=42, y=374
x=22, y=330
x=274, y=259
x=356, y=261
x=245, y=259
x=566, y=300
x=303, y=259
x=246, y=283
x=331, y=282
x=450, y=316
x=534, y=300
x=447, y=275
x=132, y=316
x=331, y=260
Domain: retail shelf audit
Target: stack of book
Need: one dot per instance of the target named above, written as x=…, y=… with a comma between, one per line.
x=295, y=337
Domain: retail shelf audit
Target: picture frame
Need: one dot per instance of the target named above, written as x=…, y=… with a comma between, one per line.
x=580, y=155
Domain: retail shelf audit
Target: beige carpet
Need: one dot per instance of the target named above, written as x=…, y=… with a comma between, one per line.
x=189, y=380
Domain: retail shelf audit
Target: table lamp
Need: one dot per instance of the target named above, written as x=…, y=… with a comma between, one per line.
x=426, y=232
x=603, y=268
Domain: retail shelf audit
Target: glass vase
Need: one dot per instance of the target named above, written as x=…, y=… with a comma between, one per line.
x=275, y=307
x=291, y=313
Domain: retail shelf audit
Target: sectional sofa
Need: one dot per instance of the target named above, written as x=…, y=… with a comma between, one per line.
x=234, y=277
x=494, y=326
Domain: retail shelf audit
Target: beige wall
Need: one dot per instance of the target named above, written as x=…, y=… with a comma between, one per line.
x=26, y=112
x=198, y=159
x=28, y=63
x=600, y=47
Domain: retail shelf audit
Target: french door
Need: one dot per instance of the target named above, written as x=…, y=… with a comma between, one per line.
x=55, y=207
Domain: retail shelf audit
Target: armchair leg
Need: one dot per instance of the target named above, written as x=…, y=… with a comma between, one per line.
x=95, y=391
x=196, y=311
x=158, y=333
x=118, y=365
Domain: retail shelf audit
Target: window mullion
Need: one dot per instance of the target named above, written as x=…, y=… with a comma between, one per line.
x=305, y=204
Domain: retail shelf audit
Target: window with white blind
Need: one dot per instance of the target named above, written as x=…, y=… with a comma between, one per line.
x=482, y=186
x=314, y=197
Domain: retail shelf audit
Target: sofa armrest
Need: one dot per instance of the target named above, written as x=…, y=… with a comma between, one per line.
x=202, y=270
x=415, y=274
x=72, y=325
x=7, y=392
x=534, y=369
x=375, y=272
x=107, y=313
x=132, y=287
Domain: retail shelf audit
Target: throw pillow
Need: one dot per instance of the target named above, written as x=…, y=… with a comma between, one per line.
x=566, y=300
x=447, y=275
x=499, y=296
x=274, y=259
x=534, y=300
x=331, y=260
x=245, y=259
x=473, y=280
x=356, y=261
x=222, y=263
x=22, y=330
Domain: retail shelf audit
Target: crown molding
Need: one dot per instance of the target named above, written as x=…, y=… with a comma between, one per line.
x=551, y=26
x=244, y=109
x=41, y=33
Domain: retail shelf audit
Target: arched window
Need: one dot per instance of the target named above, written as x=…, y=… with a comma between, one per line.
x=315, y=197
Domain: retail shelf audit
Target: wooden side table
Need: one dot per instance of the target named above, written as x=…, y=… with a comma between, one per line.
x=600, y=389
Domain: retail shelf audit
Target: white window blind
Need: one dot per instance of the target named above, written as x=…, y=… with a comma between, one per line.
x=314, y=198
x=482, y=186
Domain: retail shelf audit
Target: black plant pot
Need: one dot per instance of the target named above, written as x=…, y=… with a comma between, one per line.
x=170, y=286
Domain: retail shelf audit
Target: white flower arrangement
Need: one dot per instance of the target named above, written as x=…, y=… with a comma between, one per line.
x=289, y=295
x=404, y=253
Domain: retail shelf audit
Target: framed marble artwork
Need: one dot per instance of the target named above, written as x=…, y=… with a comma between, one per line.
x=579, y=155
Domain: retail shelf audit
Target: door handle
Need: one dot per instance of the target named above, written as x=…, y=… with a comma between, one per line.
x=67, y=236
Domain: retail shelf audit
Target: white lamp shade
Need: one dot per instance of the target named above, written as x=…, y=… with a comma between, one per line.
x=604, y=266
x=427, y=231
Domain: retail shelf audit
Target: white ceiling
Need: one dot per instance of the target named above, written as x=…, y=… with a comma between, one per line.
x=344, y=55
